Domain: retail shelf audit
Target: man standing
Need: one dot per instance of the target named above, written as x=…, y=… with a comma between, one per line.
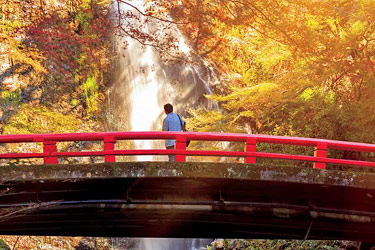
x=172, y=122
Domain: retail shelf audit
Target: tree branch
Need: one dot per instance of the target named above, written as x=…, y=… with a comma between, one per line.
x=15, y=243
x=145, y=14
x=212, y=49
x=257, y=10
x=226, y=7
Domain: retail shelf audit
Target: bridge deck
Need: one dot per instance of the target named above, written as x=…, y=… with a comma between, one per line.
x=185, y=199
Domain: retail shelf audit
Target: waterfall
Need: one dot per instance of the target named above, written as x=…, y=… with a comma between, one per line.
x=142, y=84
x=173, y=244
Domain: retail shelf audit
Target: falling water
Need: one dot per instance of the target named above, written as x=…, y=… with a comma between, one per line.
x=143, y=83
x=172, y=244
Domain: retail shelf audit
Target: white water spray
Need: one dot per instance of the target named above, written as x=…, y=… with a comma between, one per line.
x=144, y=83
x=172, y=244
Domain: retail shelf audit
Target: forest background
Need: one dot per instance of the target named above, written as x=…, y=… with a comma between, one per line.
x=289, y=68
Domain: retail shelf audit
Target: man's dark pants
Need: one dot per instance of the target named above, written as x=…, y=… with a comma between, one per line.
x=171, y=157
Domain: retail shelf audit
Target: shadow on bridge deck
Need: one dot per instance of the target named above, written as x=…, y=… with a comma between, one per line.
x=202, y=200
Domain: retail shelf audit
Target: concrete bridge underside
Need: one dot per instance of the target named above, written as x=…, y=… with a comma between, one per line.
x=200, y=200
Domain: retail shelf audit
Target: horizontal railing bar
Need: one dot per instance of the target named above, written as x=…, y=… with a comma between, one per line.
x=242, y=154
x=190, y=153
x=21, y=155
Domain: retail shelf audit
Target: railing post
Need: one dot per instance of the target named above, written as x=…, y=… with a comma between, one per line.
x=49, y=147
x=320, y=151
x=180, y=144
x=109, y=145
x=251, y=146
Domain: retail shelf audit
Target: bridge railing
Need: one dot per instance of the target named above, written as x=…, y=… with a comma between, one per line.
x=50, y=153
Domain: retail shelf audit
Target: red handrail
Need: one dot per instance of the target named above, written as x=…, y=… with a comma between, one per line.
x=50, y=153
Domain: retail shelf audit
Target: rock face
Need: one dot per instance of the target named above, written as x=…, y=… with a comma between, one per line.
x=85, y=245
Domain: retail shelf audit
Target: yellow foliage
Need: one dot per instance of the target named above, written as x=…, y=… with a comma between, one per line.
x=20, y=53
x=36, y=120
x=358, y=28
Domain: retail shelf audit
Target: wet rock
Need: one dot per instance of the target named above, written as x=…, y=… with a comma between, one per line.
x=218, y=244
x=125, y=243
x=85, y=245
x=349, y=245
x=36, y=94
x=235, y=244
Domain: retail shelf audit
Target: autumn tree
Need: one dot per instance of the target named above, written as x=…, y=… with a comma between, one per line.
x=278, y=57
x=15, y=17
x=62, y=46
x=298, y=68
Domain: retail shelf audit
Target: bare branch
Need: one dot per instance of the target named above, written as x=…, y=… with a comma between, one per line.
x=145, y=14
x=27, y=209
x=15, y=243
x=257, y=10
x=228, y=9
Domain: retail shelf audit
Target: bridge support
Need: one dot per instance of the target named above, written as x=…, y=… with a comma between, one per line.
x=188, y=199
x=251, y=147
x=320, y=151
x=109, y=145
x=49, y=147
x=180, y=144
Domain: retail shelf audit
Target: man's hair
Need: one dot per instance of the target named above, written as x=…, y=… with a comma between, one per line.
x=168, y=108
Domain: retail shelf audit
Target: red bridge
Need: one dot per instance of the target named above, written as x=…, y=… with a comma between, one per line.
x=334, y=199
x=109, y=139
